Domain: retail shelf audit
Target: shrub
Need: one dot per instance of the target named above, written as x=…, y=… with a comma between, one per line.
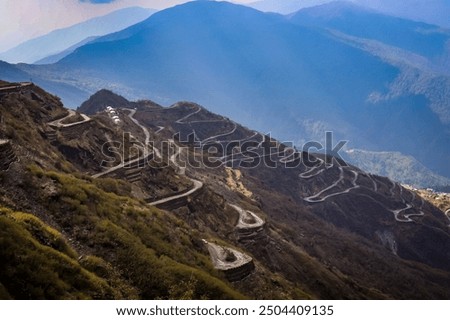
x=151, y=251
x=31, y=270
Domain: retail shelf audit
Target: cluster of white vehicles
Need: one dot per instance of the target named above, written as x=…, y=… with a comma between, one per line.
x=113, y=114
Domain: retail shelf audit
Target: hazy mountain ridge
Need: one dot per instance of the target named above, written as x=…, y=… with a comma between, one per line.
x=433, y=12
x=426, y=40
x=217, y=54
x=56, y=57
x=58, y=41
x=396, y=166
x=15, y=73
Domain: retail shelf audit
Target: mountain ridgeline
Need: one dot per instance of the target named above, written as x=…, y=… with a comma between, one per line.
x=57, y=44
x=421, y=38
x=380, y=82
x=434, y=12
x=134, y=200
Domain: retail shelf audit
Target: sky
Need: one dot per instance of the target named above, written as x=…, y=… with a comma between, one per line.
x=26, y=19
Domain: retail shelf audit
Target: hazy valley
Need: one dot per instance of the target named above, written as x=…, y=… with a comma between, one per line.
x=384, y=87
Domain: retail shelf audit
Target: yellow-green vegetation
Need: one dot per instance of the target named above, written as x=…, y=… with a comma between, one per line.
x=150, y=250
x=41, y=232
x=37, y=263
x=439, y=199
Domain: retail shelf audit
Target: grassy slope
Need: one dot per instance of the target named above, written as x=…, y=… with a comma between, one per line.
x=37, y=263
x=129, y=250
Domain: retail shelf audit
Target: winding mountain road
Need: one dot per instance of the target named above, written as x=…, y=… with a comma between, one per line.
x=407, y=217
x=136, y=122
x=235, y=156
x=224, y=159
x=197, y=185
x=146, y=133
x=183, y=119
x=130, y=163
x=127, y=164
x=392, y=188
x=221, y=135
x=58, y=123
x=220, y=257
x=16, y=87
x=420, y=214
x=316, y=198
x=308, y=174
x=400, y=215
x=320, y=196
x=180, y=170
x=245, y=216
x=374, y=183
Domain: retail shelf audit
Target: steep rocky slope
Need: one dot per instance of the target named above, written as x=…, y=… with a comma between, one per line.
x=107, y=209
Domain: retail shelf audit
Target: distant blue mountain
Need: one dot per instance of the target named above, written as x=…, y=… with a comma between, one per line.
x=58, y=41
x=70, y=93
x=433, y=12
x=421, y=38
x=277, y=75
x=284, y=6
x=56, y=57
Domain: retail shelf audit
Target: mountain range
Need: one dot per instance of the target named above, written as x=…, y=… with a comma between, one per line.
x=433, y=12
x=396, y=166
x=61, y=42
x=422, y=39
x=131, y=200
x=381, y=82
